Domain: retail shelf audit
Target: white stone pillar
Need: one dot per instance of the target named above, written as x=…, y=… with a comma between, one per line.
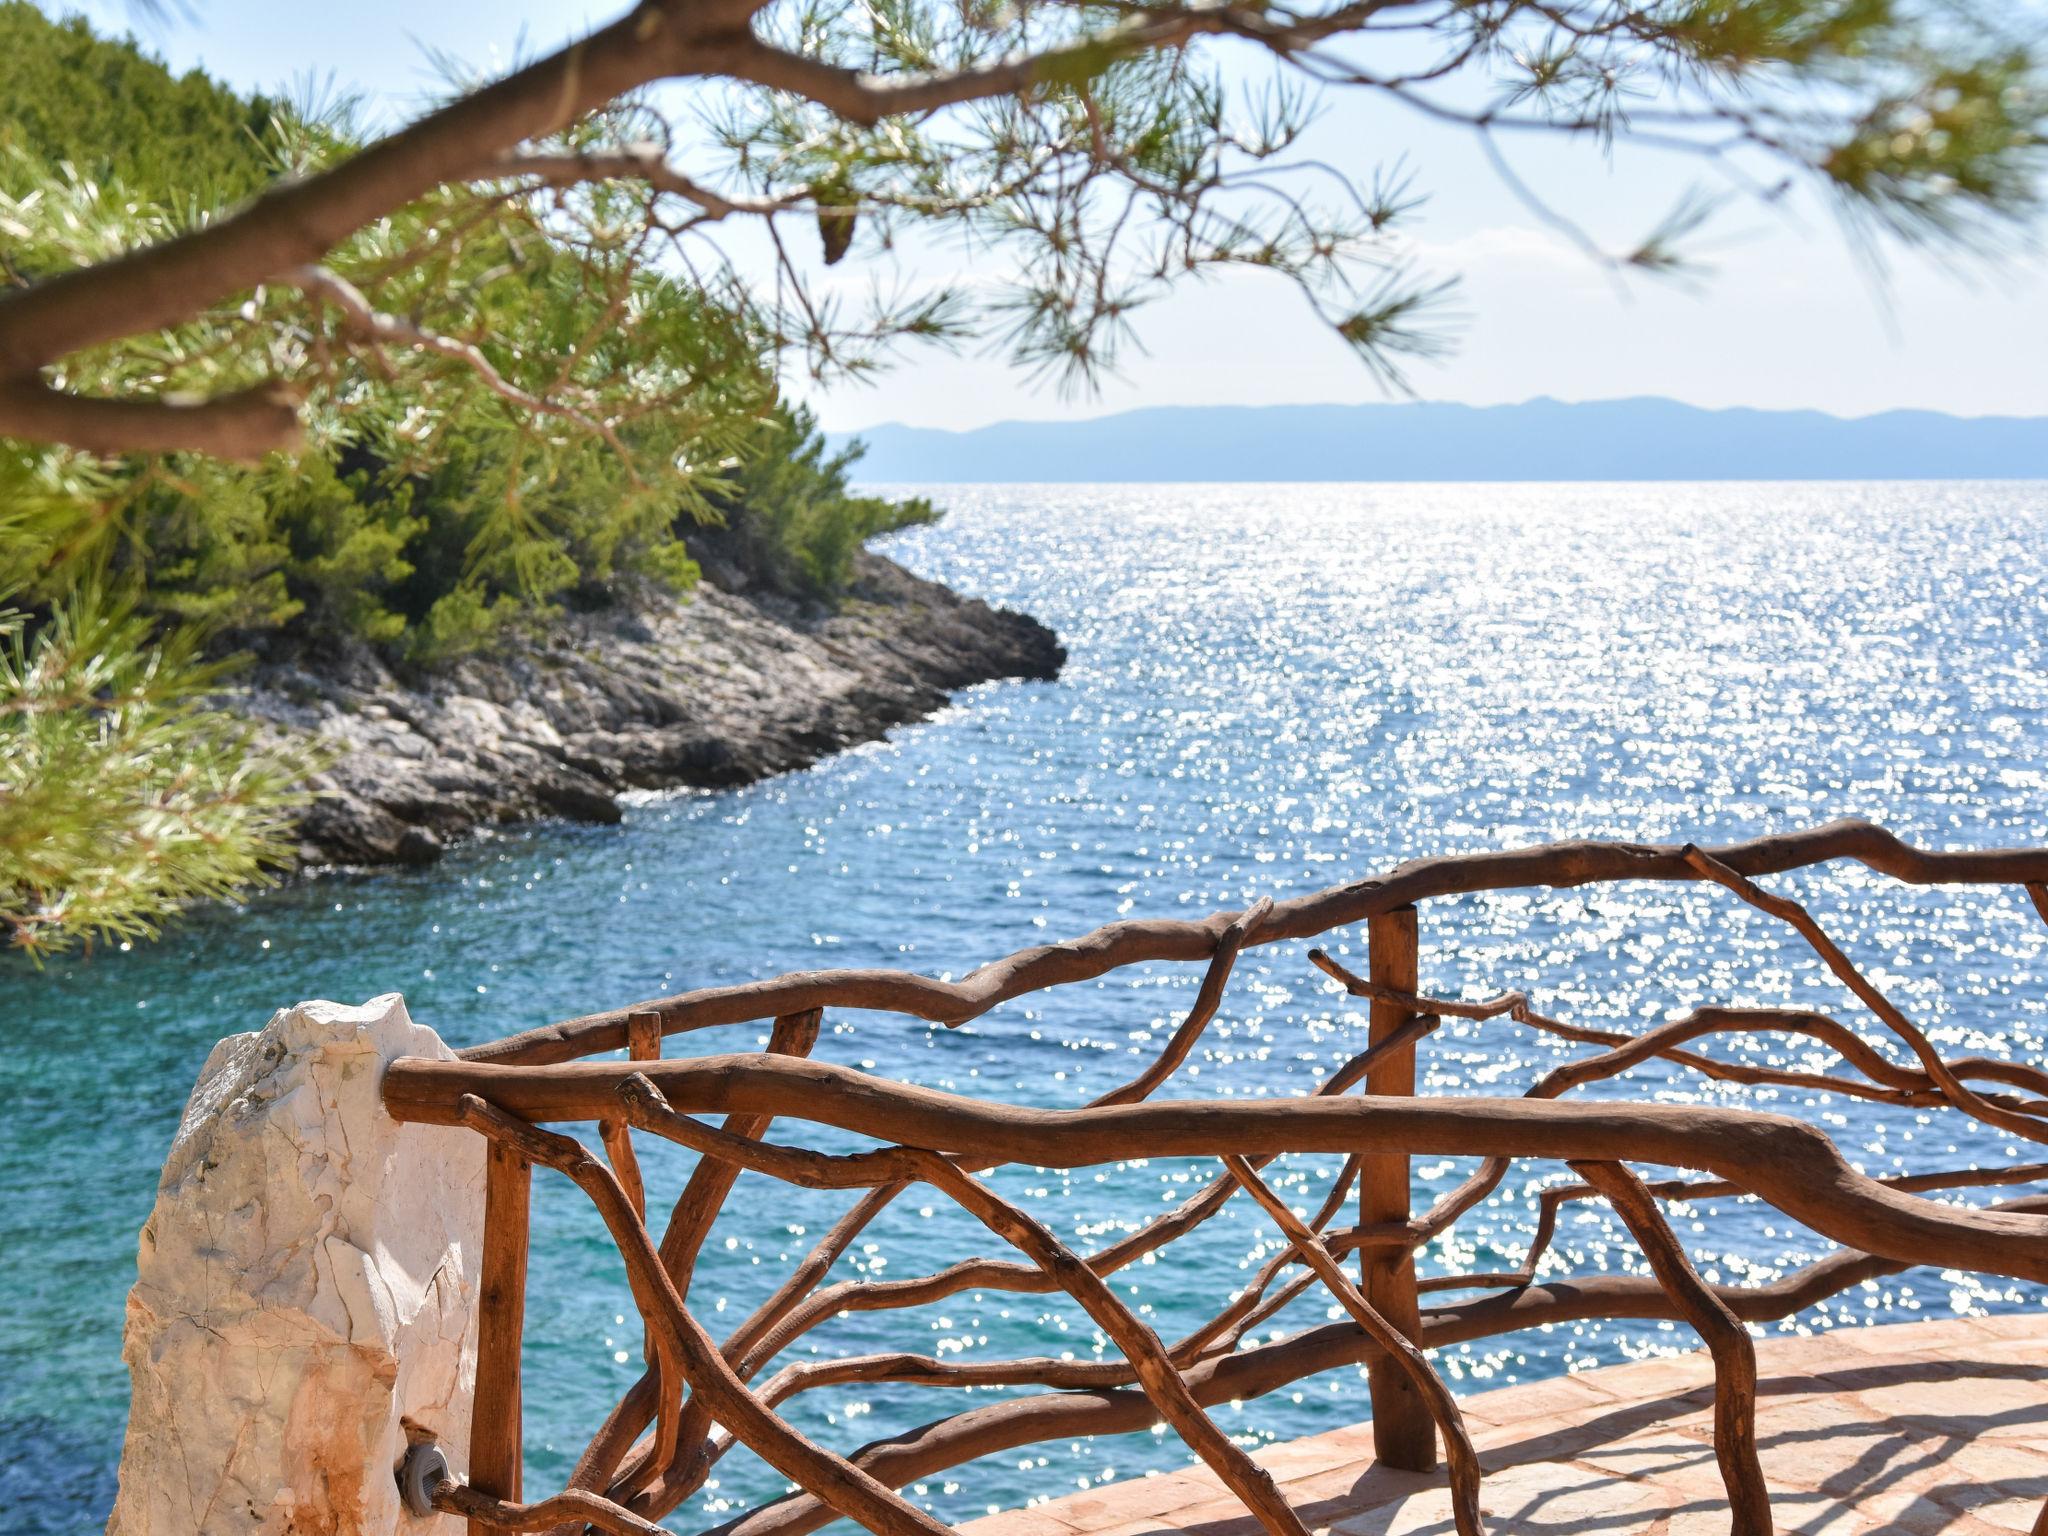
x=306, y=1297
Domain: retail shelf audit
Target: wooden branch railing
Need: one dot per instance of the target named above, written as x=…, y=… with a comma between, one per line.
x=698, y=1398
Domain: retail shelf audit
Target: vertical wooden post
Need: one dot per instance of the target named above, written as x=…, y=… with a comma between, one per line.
x=643, y=1043
x=643, y=1035
x=496, y=1443
x=1403, y=1434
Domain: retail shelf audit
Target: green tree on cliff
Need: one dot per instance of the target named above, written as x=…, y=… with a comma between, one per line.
x=532, y=283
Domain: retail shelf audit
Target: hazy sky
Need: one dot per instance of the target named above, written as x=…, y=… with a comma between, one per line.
x=1786, y=315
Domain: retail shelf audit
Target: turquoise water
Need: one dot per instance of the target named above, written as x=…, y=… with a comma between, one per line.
x=1271, y=690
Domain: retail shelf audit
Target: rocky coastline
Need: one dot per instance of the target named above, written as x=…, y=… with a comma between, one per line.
x=733, y=682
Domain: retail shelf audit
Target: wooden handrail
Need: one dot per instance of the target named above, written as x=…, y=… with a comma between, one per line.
x=1132, y=942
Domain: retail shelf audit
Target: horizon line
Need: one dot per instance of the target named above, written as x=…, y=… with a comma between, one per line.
x=1469, y=405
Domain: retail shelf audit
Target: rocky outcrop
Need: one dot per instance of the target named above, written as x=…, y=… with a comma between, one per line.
x=727, y=685
x=306, y=1288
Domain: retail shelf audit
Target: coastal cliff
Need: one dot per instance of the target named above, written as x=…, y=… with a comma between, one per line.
x=730, y=683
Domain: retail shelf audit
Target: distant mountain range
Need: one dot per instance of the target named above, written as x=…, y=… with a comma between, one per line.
x=1641, y=439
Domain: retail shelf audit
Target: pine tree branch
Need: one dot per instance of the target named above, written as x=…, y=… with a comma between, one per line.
x=239, y=427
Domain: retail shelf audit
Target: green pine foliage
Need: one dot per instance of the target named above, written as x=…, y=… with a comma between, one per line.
x=429, y=510
x=793, y=514
x=125, y=791
x=429, y=514
x=290, y=545
x=110, y=111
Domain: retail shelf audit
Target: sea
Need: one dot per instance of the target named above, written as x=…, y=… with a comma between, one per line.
x=1271, y=689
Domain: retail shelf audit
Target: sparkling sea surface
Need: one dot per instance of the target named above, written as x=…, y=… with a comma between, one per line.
x=1271, y=689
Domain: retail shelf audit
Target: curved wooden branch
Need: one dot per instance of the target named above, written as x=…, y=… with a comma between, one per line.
x=795, y=1308
x=1212, y=1340
x=1464, y=1461
x=1219, y=1335
x=618, y=1141
x=788, y=1314
x=996, y=1427
x=1790, y=1163
x=1958, y=1093
x=1240, y=931
x=1548, y=1201
x=679, y=1426
x=871, y=1295
x=695, y=1456
x=696, y=1209
x=1251, y=1306
x=577, y=1508
x=241, y=427
x=1629, y=1050
x=299, y=221
x=1889, y=1082
x=1127, y=943
x=645, y=1107
x=653, y=1389
x=842, y=1486
x=633, y=162
x=1252, y=1483
x=861, y=97
x=1727, y=1340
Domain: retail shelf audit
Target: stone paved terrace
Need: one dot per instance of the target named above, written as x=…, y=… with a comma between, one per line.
x=1915, y=1428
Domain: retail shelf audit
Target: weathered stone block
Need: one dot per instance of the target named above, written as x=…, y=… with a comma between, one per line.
x=305, y=1301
